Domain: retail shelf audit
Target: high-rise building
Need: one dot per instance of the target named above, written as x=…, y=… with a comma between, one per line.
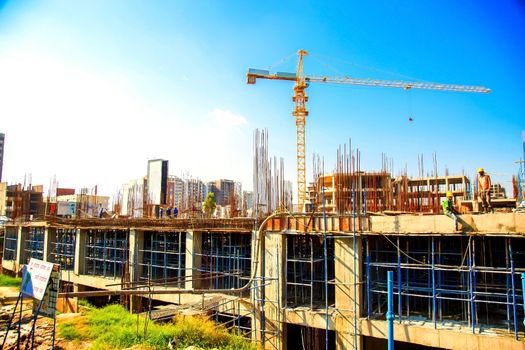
x=194, y=193
x=157, y=183
x=132, y=198
x=175, y=191
x=2, y=140
x=223, y=190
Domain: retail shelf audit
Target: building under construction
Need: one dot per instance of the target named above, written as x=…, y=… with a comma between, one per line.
x=320, y=279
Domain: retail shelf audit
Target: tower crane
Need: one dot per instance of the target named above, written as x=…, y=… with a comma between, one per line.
x=300, y=98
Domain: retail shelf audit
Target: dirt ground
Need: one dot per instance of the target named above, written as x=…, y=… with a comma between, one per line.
x=43, y=330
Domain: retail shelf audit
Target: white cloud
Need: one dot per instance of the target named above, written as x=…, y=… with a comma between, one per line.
x=226, y=118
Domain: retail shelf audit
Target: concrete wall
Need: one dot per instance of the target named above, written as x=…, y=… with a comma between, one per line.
x=498, y=223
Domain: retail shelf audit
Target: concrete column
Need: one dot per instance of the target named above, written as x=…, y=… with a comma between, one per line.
x=136, y=254
x=274, y=251
x=20, y=246
x=193, y=259
x=348, y=292
x=50, y=237
x=80, y=251
x=136, y=257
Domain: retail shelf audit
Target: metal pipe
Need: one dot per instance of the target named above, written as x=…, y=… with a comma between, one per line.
x=471, y=289
x=390, y=313
x=523, y=291
x=513, y=283
x=368, y=280
x=433, y=285
x=399, y=299
x=325, y=255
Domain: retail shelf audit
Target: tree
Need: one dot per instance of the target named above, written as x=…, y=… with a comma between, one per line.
x=209, y=204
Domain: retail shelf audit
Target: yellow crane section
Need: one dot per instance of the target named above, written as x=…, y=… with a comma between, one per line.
x=300, y=98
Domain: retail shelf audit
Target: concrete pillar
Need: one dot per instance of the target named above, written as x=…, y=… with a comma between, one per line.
x=136, y=257
x=274, y=251
x=80, y=251
x=136, y=254
x=348, y=292
x=193, y=259
x=50, y=237
x=20, y=246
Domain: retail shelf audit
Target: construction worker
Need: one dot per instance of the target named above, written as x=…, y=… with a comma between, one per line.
x=484, y=190
x=449, y=210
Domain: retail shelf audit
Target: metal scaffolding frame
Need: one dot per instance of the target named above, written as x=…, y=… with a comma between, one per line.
x=10, y=243
x=306, y=271
x=467, y=280
x=225, y=260
x=164, y=258
x=106, y=252
x=34, y=244
x=64, y=248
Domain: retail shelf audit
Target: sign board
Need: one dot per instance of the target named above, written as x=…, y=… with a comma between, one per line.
x=66, y=208
x=35, y=278
x=49, y=302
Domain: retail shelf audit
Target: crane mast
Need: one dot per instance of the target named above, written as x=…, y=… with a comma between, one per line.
x=300, y=113
x=300, y=98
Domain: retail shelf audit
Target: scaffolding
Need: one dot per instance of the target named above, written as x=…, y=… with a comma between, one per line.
x=106, y=252
x=34, y=245
x=164, y=258
x=64, y=248
x=226, y=260
x=305, y=271
x=467, y=281
x=10, y=242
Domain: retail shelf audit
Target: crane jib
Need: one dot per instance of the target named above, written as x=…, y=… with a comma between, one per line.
x=254, y=74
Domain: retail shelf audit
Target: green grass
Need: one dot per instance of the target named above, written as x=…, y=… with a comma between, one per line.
x=112, y=327
x=85, y=303
x=8, y=281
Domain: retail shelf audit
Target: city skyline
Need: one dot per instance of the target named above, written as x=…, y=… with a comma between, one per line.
x=90, y=101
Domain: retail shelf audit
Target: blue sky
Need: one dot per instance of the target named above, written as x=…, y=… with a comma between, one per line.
x=92, y=89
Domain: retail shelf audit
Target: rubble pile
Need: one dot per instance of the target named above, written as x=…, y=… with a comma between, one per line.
x=43, y=329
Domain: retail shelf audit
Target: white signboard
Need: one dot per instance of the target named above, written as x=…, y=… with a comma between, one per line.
x=35, y=277
x=49, y=303
x=66, y=208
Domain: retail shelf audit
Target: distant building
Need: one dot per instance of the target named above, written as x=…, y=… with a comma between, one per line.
x=157, y=181
x=247, y=203
x=194, y=194
x=3, y=197
x=223, y=190
x=175, y=191
x=2, y=140
x=132, y=199
x=65, y=191
x=24, y=203
x=81, y=205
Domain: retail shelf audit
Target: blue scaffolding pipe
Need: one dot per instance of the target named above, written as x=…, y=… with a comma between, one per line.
x=325, y=256
x=390, y=313
x=471, y=289
x=513, y=283
x=354, y=267
x=368, y=280
x=399, y=299
x=523, y=292
x=434, y=318
x=263, y=290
